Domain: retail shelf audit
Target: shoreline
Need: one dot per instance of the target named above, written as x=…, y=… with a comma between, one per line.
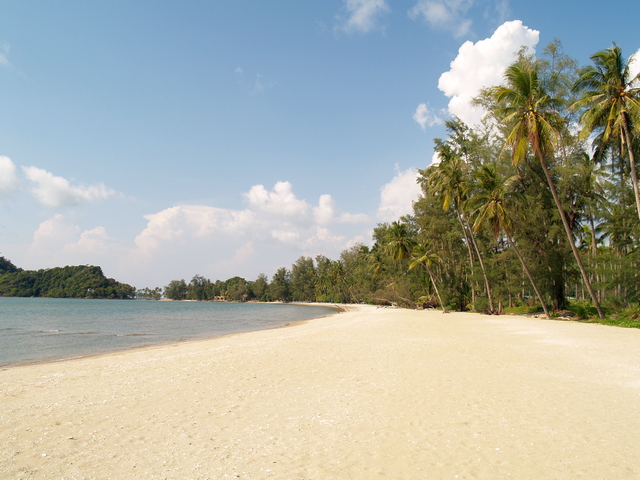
x=177, y=342
x=370, y=393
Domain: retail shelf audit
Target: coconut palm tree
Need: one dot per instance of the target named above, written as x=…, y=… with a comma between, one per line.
x=492, y=204
x=399, y=241
x=611, y=99
x=450, y=183
x=423, y=255
x=533, y=122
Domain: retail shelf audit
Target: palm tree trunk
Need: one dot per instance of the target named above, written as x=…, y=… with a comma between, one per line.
x=484, y=271
x=471, y=262
x=565, y=222
x=526, y=269
x=632, y=163
x=435, y=287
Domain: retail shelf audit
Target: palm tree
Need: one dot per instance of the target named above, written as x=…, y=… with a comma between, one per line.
x=492, y=204
x=422, y=255
x=529, y=113
x=611, y=100
x=400, y=242
x=450, y=183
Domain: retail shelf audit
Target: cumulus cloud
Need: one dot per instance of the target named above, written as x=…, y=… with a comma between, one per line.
x=362, y=15
x=426, y=117
x=281, y=201
x=271, y=230
x=481, y=65
x=397, y=196
x=59, y=241
x=8, y=176
x=634, y=66
x=53, y=191
x=216, y=242
x=324, y=212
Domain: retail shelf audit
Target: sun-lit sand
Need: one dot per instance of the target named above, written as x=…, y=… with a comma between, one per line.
x=371, y=393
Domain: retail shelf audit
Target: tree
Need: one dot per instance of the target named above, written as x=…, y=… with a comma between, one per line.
x=399, y=241
x=611, y=100
x=492, y=205
x=259, y=287
x=450, y=183
x=303, y=279
x=423, y=255
x=196, y=290
x=533, y=121
x=176, y=290
x=279, y=288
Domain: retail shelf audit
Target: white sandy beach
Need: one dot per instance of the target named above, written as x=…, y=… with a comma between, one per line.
x=371, y=393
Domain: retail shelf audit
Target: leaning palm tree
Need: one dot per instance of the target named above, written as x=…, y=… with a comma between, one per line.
x=423, y=255
x=492, y=204
x=450, y=183
x=529, y=112
x=611, y=99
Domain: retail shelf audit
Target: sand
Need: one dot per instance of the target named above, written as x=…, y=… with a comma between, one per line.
x=370, y=393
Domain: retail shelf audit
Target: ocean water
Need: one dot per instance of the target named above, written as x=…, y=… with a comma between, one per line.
x=46, y=329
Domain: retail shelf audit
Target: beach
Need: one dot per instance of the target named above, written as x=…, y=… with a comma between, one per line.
x=365, y=394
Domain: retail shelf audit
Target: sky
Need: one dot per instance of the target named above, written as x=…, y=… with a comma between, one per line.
x=162, y=139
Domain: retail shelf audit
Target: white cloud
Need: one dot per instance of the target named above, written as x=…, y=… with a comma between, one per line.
x=481, y=65
x=58, y=241
x=53, y=234
x=8, y=176
x=181, y=224
x=362, y=15
x=453, y=15
x=323, y=213
x=397, y=196
x=634, y=67
x=53, y=191
x=5, y=48
x=444, y=14
x=353, y=219
x=273, y=229
x=426, y=117
x=281, y=201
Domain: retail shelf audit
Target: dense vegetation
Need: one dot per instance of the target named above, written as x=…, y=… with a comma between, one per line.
x=67, y=282
x=538, y=209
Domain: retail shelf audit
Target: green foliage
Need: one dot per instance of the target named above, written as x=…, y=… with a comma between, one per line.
x=83, y=281
x=7, y=267
x=583, y=309
x=149, y=294
x=176, y=290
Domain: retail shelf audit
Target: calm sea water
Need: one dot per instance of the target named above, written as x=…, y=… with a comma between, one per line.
x=45, y=329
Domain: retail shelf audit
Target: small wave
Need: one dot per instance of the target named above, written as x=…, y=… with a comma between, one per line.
x=131, y=334
x=49, y=331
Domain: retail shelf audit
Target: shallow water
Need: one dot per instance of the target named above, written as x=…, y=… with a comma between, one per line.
x=46, y=329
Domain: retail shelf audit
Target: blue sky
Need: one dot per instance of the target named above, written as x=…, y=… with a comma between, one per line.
x=164, y=139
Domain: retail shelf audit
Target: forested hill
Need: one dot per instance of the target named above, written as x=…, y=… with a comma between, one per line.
x=83, y=281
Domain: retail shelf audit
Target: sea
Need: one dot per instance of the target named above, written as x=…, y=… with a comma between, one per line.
x=34, y=330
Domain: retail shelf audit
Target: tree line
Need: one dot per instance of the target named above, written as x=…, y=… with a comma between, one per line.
x=84, y=281
x=538, y=208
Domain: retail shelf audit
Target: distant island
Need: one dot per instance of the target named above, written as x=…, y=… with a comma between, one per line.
x=82, y=281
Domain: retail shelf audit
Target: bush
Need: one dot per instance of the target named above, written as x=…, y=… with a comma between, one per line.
x=583, y=309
